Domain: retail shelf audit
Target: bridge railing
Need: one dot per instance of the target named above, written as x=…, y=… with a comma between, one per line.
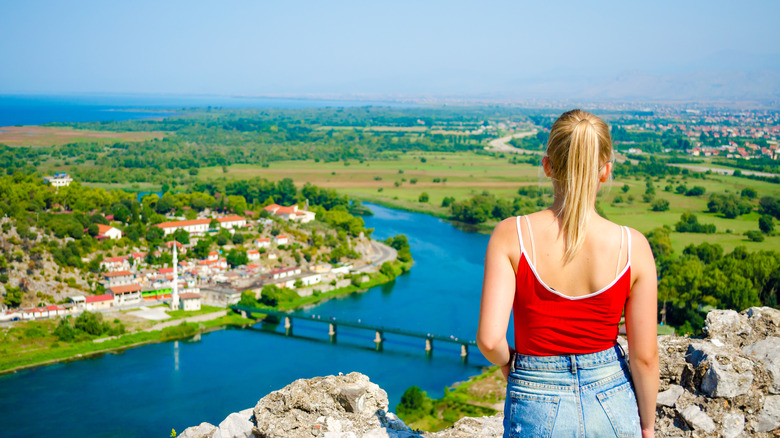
x=334, y=323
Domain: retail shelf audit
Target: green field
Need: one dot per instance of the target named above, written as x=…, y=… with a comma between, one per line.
x=469, y=173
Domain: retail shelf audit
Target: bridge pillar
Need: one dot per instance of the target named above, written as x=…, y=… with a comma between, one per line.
x=428, y=345
x=332, y=332
x=288, y=325
x=243, y=314
x=464, y=351
x=379, y=340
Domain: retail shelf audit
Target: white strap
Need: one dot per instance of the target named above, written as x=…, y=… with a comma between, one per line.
x=519, y=235
x=628, y=232
x=531, y=237
x=620, y=253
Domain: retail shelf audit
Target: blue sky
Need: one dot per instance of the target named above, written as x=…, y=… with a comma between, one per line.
x=385, y=47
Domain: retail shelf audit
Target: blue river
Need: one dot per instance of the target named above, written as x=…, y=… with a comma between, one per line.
x=149, y=390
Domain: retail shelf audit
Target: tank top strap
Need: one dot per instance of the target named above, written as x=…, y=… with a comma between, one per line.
x=628, y=234
x=519, y=235
x=620, y=253
x=531, y=238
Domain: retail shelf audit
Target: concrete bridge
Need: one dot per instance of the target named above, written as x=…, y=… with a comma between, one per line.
x=333, y=324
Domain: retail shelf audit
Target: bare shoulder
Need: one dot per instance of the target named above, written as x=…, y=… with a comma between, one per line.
x=642, y=261
x=504, y=231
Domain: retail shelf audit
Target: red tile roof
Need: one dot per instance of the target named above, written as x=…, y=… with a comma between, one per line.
x=124, y=289
x=117, y=274
x=184, y=223
x=114, y=259
x=98, y=298
x=189, y=296
x=231, y=219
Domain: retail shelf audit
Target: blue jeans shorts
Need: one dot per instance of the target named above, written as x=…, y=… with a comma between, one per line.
x=577, y=395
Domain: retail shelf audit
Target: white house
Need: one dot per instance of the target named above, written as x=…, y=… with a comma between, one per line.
x=189, y=301
x=291, y=213
x=264, y=242
x=284, y=272
x=194, y=226
x=115, y=263
x=281, y=239
x=98, y=302
x=109, y=232
x=59, y=180
x=253, y=254
x=230, y=222
x=126, y=294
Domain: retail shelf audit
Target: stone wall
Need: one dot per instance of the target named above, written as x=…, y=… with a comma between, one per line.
x=726, y=384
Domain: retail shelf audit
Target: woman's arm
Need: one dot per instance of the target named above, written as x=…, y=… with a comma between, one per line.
x=641, y=329
x=498, y=291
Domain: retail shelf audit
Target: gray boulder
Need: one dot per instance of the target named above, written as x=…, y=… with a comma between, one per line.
x=727, y=326
x=697, y=419
x=670, y=396
x=236, y=425
x=729, y=379
x=203, y=430
x=767, y=352
x=769, y=418
x=733, y=425
x=483, y=427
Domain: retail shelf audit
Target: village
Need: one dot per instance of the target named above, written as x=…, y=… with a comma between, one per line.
x=270, y=257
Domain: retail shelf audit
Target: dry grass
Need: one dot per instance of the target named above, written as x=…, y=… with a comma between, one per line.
x=52, y=136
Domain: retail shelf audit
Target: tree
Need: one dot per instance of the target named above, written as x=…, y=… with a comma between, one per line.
x=766, y=224
x=182, y=236
x=13, y=296
x=247, y=299
x=625, y=188
x=423, y=197
x=660, y=205
x=660, y=243
x=236, y=258
x=754, y=236
x=154, y=235
x=238, y=238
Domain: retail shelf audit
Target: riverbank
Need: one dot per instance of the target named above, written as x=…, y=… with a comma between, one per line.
x=35, y=344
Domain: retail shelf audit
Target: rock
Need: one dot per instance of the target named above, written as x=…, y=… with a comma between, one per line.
x=697, y=419
x=764, y=320
x=733, y=425
x=236, y=425
x=335, y=406
x=727, y=326
x=203, y=430
x=670, y=396
x=769, y=417
x=728, y=380
x=767, y=352
x=698, y=352
x=482, y=427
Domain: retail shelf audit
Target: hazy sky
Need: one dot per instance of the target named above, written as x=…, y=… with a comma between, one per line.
x=412, y=47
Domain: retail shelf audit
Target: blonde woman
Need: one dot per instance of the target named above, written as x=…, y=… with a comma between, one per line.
x=569, y=274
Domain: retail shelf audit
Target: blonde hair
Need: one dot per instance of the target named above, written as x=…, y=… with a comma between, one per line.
x=579, y=146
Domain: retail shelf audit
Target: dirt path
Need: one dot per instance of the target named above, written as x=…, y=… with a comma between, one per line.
x=502, y=144
x=198, y=318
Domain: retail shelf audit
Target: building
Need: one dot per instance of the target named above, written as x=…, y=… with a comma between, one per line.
x=253, y=254
x=264, y=242
x=291, y=213
x=281, y=239
x=108, y=232
x=189, y=301
x=220, y=297
x=194, y=226
x=126, y=294
x=58, y=180
x=98, y=302
x=115, y=264
x=284, y=272
x=117, y=278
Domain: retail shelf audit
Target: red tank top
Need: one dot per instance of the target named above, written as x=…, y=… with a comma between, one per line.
x=548, y=323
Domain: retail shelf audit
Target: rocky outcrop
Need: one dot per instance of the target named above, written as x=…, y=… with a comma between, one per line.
x=723, y=385
x=726, y=384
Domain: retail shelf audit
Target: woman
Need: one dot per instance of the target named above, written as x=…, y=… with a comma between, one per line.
x=569, y=274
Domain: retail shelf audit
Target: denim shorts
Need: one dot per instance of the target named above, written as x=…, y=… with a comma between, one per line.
x=578, y=395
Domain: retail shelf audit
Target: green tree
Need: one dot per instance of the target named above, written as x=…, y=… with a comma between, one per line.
x=660, y=205
x=247, y=299
x=13, y=296
x=766, y=224
x=423, y=197
x=236, y=258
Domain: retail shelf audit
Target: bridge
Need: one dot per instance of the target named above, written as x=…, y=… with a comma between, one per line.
x=333, y=324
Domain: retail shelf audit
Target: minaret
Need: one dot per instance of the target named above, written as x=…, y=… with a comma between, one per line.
x=175, y=293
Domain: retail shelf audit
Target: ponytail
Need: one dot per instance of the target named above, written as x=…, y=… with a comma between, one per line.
x=579, y=145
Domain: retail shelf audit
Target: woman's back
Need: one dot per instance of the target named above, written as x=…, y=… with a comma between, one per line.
x=602, y=257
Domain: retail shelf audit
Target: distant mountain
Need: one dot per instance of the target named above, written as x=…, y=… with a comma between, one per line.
x=757, y=85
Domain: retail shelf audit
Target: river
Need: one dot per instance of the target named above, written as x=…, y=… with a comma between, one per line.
x=149, y=390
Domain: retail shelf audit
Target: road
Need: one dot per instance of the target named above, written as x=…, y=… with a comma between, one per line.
x=502, y=144
x=723, y=171
x=380, y=253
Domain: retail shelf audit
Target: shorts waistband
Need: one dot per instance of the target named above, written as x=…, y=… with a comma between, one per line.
x=569, y=361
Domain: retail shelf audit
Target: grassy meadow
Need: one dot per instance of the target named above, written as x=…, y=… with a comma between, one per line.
x=399, y=183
